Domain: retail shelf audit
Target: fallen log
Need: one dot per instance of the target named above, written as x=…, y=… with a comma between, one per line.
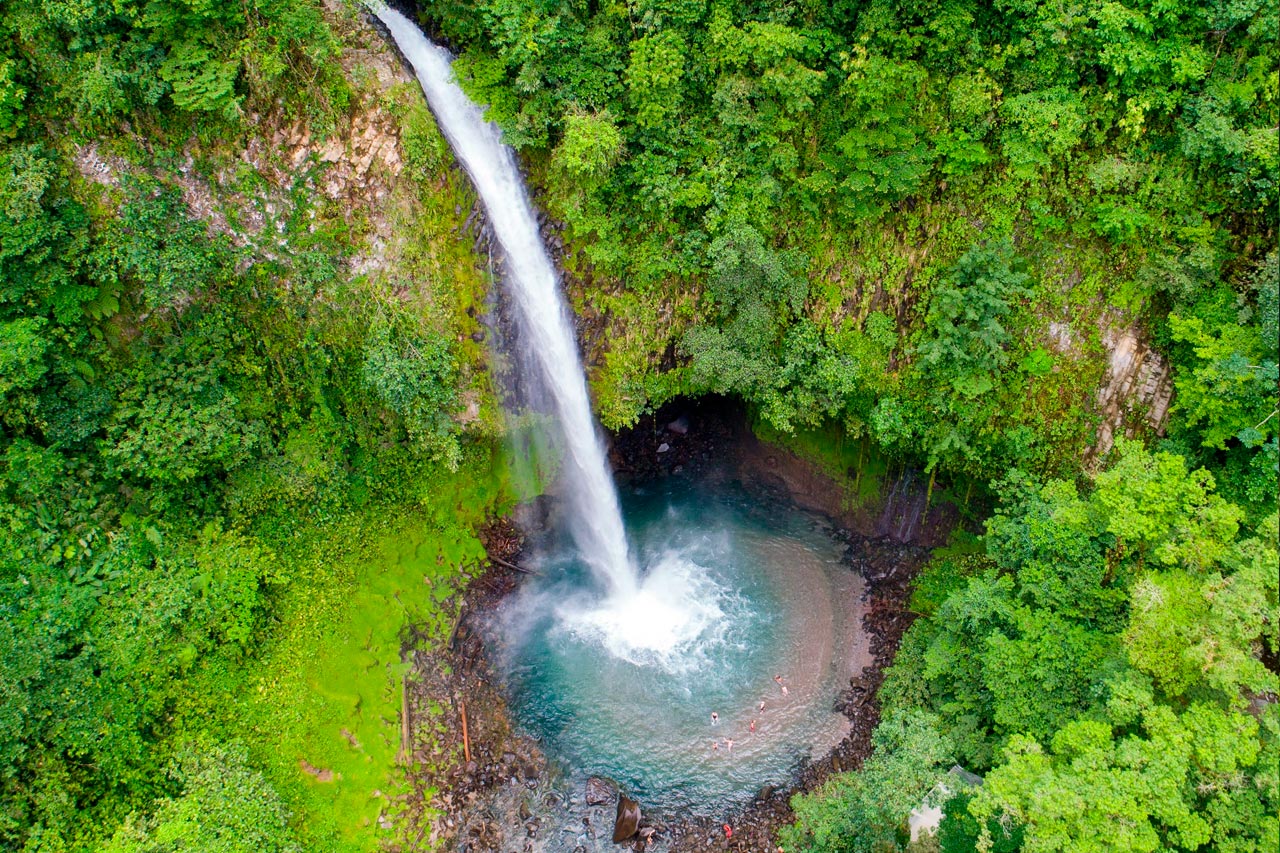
x=403, y=756
x=513, y=566
x=466, y=740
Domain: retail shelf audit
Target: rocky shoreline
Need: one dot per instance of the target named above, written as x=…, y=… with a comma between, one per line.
x=481, y=785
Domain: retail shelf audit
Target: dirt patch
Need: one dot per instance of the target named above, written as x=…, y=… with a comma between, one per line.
x=320, y=773
x=494, y=789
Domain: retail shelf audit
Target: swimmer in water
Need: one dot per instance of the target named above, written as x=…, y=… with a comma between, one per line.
x=753, y=726
x=761, y=706
x=778, y=678
x=715, y=718
x=728, y=744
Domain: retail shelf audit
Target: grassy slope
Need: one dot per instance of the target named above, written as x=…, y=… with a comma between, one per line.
x=327, y=687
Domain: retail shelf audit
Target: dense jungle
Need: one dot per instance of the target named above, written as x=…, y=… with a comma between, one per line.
x=250, y=438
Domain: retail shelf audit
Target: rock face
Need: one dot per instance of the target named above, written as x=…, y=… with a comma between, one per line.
x=599, y=791
x=353, y=158
x=628, y=820
x=1138, y=387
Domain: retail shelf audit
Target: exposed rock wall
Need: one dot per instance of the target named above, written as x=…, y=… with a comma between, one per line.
x=1137, y=389
x=355, y=163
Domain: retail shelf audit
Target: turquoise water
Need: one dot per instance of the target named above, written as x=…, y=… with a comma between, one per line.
x=732, y=594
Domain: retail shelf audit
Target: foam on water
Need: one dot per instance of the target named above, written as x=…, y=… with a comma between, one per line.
x=675, y=619
x=729, y=597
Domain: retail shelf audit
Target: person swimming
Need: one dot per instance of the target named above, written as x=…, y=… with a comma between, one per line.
x=715, y=718
x=778, y=678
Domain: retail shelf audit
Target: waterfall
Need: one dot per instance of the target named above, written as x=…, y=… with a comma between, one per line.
x=595, y=520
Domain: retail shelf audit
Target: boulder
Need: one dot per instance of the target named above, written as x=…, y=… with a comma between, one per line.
x=628, y=820
x=599, y=791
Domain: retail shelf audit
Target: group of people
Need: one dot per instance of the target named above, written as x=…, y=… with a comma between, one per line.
x=728, y=741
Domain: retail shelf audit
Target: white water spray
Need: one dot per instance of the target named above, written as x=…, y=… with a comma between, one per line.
x=595, y=519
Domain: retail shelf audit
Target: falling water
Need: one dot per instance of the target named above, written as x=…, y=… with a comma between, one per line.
x=595, y=519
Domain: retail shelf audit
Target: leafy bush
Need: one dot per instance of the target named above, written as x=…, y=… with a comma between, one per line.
x=867, y=810
x=223, y=806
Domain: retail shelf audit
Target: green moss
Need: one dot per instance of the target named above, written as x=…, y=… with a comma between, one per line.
x=324, y=694
x=855, y=464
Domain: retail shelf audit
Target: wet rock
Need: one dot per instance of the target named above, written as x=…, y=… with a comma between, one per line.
x=680, y=426
x=628, y=820
x=664, y=447
x=599, y=791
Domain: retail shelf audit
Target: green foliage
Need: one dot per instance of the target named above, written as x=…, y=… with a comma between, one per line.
x=1162, y=780
x=415, y=376
x=360, y=583
x=224, y=807
x=958, y=832
x=43, y=238
x=11, y=97
x=798, y=201
x=95, y=61
x=654, y=75
x=1195, y=631
x=184, y=426
x=1102, y=665
x=964, y=340
x=1043, y=128
x=1228, y=390
x=1152, y=504
x=22, y=349
x=867, y=810
x=754, y=291
x=878, y=143
x=199, y=81
x=424, y=146
x=169, y=255
x=971, y=106
x=590, y=148
x=177, y=412
x=880, y=155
